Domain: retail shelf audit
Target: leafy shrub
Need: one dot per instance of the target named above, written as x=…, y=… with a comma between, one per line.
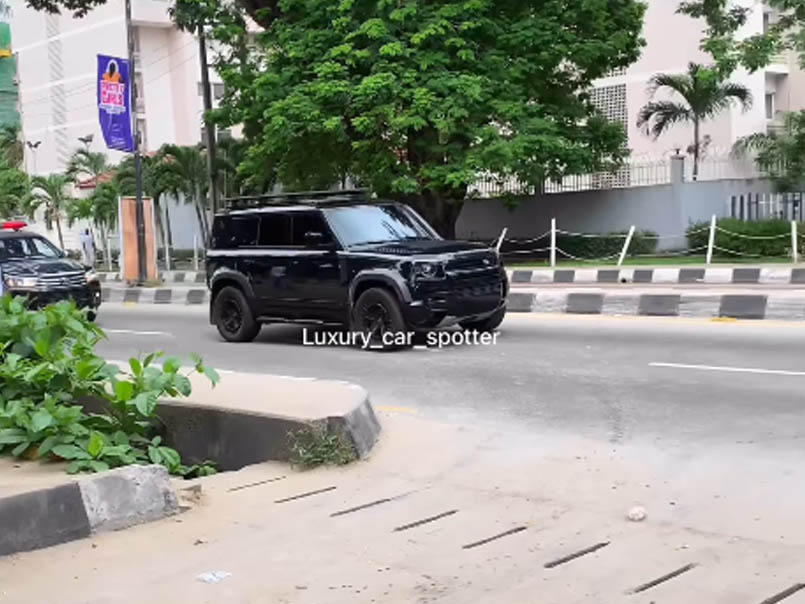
x=778, y=245
x=611, y=244
x=48, y=366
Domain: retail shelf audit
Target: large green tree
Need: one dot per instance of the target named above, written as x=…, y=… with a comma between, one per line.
x=415, y=99
x=51, y=193
x=780, y=153
x=700, y=94
x=724, y=19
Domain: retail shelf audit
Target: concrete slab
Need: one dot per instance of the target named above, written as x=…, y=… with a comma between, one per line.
x=691, y=275
x=659, y=305
x=608, y=276
x=521, y=277
x=519, y=302
x=564, y=276
x=584, y=304
x=745, y=275
x=743, y=307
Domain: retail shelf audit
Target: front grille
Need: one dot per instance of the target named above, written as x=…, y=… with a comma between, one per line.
x=483, y=286
x=468, y=263
x=62, y=280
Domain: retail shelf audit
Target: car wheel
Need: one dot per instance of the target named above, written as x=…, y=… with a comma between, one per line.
x=489, y=324
x=92, y=316
x=377, y=314
x=233, y=317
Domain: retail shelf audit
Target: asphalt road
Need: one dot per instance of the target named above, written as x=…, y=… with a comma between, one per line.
x=678, y=383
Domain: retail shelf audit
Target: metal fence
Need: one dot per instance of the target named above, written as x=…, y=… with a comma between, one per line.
x=766, y=206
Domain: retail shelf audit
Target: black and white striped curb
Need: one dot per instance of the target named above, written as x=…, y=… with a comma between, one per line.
x=737, y=306
x=108, y=501
x=714, y=275
x=189, y=277
x=135, y=295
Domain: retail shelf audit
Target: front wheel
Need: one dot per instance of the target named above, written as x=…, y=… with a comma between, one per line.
x=233, y=317
x=378, y=319
x=489, y=324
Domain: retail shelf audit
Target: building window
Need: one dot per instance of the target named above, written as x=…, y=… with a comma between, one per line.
x=770, y=105
x=611, y=101
x=216, y=89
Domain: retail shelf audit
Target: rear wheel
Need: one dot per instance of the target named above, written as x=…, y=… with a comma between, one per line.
x=377, y=315
x=489, y=324
x=92, y=315
x=233, y=317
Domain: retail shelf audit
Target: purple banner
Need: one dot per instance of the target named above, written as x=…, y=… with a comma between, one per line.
x=114, y=103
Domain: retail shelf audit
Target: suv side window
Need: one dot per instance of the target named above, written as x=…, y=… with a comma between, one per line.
x=275, y=230
x=309, y=222
x=234, y=231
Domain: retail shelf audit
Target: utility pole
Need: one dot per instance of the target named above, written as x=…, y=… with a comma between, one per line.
x=209, y=126
x=142, y=274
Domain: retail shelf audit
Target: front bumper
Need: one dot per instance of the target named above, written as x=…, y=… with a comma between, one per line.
x=441, y=303
x=88, y=296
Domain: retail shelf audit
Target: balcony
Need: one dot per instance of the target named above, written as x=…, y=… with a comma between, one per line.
x=779, y=64
x=151, y=13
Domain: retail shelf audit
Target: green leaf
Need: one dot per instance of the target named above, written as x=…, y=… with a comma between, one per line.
x=171, y=365
x=70, y=452
x=196, y=358
x=155, y=455
x=212, y=375
x=136, y=367
x=74, y=467
x=170, y=458
x=124, y=391
x=145, y=403
x=11, y=436
x=156, y=441
x=120, y=438
x=20, y=449
x=98, y=466
x=182, y=384
x=46, y=445
x=42, y=342
x=41, y=419
x=95, y=445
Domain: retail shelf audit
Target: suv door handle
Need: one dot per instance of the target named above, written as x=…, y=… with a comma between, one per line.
x=327, y=265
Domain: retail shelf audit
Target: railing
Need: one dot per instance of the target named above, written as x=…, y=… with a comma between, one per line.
x=723, y=168
x=630, y=175
x=766, y=206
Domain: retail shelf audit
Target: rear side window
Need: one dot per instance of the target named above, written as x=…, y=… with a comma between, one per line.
x=309, y=222
x=234, y=231
x=275, y=229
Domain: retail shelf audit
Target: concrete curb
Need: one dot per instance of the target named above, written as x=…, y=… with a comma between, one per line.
x=136, y=295
x=190, y=277
x=102, y=502
x=779, y=307
x=712, y=275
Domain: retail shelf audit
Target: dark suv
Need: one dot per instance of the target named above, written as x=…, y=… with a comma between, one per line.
x=32, y=267
x=340, y=258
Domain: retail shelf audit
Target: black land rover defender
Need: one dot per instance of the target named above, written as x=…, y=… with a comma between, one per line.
x=32, y=267
x=339, y=257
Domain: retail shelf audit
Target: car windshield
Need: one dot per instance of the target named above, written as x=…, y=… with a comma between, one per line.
x=27, y=247
x=361, y=225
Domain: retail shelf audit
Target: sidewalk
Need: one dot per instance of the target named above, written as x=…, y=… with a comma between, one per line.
x=455, y=514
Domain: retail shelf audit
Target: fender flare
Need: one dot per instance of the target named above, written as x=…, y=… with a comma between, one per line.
x=388, y=277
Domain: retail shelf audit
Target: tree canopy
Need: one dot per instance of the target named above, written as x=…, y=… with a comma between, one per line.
x=724, y=20
x=415, y=99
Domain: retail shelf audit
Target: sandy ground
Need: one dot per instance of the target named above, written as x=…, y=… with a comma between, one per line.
x=740, y=526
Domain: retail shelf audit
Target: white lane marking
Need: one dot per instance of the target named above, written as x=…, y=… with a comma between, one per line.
x=729, y=369
x=134, y=332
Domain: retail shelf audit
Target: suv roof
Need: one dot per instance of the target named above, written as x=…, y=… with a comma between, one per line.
x=305, y=199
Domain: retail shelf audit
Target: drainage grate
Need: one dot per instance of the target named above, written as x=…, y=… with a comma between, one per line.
x=663, y=579
x=308, y=494
x=254, y=484
x=784, y=594
x=494, y=537
x=358, y=508
x=578, y=554
x=405, y=527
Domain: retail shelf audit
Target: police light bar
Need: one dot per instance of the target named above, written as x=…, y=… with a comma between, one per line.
x=16, y=226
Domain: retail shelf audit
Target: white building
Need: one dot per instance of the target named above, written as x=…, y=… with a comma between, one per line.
x=672, y=41
x=56, y=69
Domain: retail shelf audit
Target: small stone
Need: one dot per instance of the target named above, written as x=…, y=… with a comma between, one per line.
x=199, y=541
x=300, y=587
x=94, y=546
x=637, y=514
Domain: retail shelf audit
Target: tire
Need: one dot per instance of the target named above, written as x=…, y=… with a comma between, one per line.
x=377, y=312
x=233, y=316
x=92, y=316
x=491, y=323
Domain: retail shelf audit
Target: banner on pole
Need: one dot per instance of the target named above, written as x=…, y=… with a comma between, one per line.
x=114, y=103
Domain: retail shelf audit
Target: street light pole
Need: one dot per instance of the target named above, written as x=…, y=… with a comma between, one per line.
x=142, y=275
x=209, y=126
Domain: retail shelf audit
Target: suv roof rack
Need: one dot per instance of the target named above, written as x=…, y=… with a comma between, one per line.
x=307, y=198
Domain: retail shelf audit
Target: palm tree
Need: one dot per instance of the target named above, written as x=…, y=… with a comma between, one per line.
x=50, y=192
x=88, y=163
x=704, y=95
x=779, y=153
x=100, y=207
x=186, y=168
x=12, y=151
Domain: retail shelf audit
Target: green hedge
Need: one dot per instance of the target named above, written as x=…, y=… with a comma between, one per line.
x=780, y=246
x=610, y=244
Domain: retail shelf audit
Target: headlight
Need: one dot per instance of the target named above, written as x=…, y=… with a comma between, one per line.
x=428, y=270
x=91, y=275
x=12, y=281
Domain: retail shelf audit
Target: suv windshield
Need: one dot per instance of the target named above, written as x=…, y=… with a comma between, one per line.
x=27, y=247
x=359, y=225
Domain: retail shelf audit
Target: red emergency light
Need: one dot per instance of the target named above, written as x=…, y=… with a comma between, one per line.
x=16, y=226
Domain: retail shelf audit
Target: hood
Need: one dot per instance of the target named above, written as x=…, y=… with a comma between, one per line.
x=421, y=246
x=40, y=266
